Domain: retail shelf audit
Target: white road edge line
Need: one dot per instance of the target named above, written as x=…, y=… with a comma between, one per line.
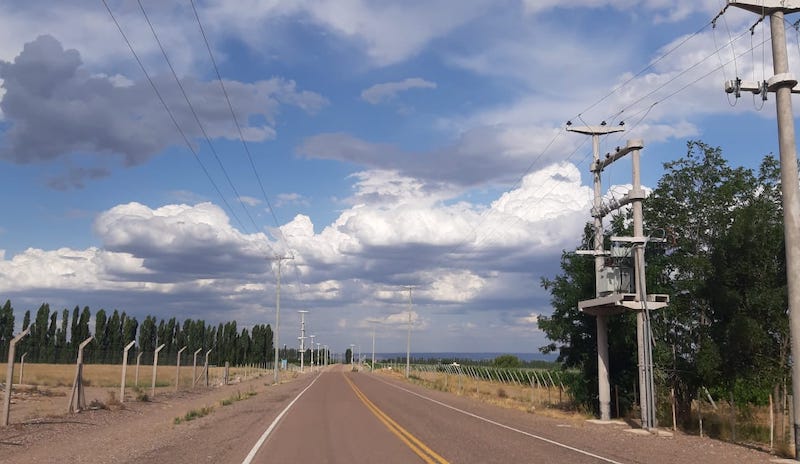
x=507, y=427
x=274, y=424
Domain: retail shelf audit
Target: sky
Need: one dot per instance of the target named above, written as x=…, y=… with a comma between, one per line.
x=378, y=144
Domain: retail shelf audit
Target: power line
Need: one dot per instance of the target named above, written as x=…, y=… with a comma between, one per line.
x=171, y=115
x=281, y=236
x=196, y=118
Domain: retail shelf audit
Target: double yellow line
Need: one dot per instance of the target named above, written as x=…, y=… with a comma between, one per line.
x=421, y=450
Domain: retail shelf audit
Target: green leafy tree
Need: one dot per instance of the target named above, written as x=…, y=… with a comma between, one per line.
x=61, y=338
x=507, y=361
x=6, y=328
x=100, y=343
x=50, y=352
x=114, y=331
x=38, y=340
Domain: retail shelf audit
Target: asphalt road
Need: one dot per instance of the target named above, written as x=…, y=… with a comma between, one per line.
x=358, y=417
x=348, y=417
x=339, y=416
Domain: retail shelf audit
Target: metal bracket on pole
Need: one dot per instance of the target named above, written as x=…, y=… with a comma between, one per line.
x=634, y=144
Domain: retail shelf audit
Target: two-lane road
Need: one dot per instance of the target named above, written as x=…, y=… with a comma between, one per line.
x=339, y=416
x=348, y=417
x=352, y=417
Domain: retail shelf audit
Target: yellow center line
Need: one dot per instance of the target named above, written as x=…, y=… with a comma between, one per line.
x=421, y=450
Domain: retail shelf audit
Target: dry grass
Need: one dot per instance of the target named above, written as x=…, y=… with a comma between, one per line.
x=110, y=375
x=541, y=401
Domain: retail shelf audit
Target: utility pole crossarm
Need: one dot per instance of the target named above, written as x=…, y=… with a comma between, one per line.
x=779, y=80
x=766, y=7
x=636, y=144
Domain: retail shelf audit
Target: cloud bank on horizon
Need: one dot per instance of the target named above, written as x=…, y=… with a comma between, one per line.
x=393, y=143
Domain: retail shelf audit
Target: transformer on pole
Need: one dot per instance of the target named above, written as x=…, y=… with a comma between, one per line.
x=614, y=292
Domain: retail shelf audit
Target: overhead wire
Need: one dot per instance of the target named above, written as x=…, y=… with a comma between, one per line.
x=196, y=117
x=579, y=116
x=171, y=115
x=650, y=107
x=280, y=235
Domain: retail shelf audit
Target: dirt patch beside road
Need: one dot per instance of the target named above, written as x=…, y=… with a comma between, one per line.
x=42, y=432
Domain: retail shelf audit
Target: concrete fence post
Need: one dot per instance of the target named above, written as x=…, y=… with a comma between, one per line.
x=77, y=400
x=194, y=367
x=225, y=373
x=22, y=367
x=125, y=371
x=12, y=346
x=205, y=367
x=155, y=371
x=178, y=369
x=138, y=362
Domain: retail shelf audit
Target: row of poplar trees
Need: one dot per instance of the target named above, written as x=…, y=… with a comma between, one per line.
x=55, y=340
x=726, y=328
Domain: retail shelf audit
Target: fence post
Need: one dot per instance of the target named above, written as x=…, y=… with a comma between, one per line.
x=194, y=367
x=22, y=366
x=77, y=386
x=700, y=413
x=225, y=373
x=733, y=419
x=12, y=346
x=178, y=369
x=771, y=423
x=138, y=362
x=155, y=371
x=124, y=371
x=206, y=366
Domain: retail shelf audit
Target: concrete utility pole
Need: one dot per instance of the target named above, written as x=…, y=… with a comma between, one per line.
x=408, y=340
x=783, y=84
x=643, y=332
x=373, y=322
x=302, y=338
x=312, y=351
x=276, y=332
x=602, y=326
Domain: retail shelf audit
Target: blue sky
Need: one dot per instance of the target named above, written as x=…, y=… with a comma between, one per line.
x=398, y=142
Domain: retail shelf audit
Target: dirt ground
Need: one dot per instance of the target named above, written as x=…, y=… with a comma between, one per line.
x=42, y=431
